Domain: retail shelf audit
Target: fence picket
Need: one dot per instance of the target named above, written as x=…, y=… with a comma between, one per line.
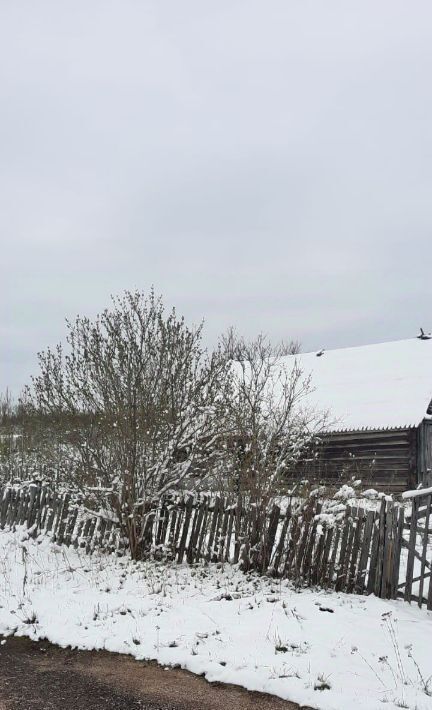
x=364, y=552
x=353, y=567
x=204, y=530
x=270, y=535
x=411, y=551
x=322, y=575
x=387, y=555
x=229, y=534
x=280, y=546
x=397, y=552
x=185, y=530
x=238, y=527
x=213, y=528
x=424, y=550
x=343, y=551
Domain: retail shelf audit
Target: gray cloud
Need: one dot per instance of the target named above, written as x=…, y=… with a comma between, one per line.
x=267, y=164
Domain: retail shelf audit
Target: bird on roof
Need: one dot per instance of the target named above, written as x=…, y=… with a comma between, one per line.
x=424, y=336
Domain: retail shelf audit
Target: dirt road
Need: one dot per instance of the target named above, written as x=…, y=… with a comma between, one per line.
x=39, y=676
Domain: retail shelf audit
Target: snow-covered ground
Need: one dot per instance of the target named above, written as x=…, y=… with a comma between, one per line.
x=325, y=650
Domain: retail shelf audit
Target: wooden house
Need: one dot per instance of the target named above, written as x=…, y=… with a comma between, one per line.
x=379, y=403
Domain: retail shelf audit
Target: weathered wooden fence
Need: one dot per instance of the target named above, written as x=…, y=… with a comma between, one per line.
x=62, y=516
x=385, y=551
x=416, y=540
x=359, y=553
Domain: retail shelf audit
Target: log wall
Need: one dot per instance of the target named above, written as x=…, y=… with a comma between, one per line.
x=383, y=459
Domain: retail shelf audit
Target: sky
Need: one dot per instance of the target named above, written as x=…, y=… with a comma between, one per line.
x=264, y=164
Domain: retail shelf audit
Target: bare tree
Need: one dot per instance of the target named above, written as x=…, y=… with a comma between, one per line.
x=234, y=345
x=137, y=401
x=271, y=418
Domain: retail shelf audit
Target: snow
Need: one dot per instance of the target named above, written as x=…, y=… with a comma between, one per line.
x=232, y=627
x=371, y=386
x=416, y=493
x=345, y=492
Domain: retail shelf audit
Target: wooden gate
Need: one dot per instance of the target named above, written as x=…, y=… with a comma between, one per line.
x=417, y=546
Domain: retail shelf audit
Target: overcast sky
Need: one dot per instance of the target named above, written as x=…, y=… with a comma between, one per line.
x=264, y=164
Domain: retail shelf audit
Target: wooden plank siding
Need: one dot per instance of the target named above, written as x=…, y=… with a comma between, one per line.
x=383, y=459
x=424, y=447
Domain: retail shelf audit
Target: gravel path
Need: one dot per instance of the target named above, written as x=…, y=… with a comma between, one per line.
x=40, y=676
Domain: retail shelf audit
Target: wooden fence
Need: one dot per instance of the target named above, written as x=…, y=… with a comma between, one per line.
x=416, y=541
x=359, y=553
x=386, y=551
x=62, y=516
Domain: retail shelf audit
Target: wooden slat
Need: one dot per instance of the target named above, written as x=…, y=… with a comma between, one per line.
x=280, y=546
x=178, y=527
x=172, y=528
x=373, y=556
x=315, y=572
x=429, y=599
x=380, y=551
x=238, y=522
x=424, y=550
x=325, y=559
x=299, y=552
x=223, y=532
x=185, y=530
x=85, y=532
x=348, y=555
x=78, y=533
x=5, y=501
x=333, y=558
x=203, y=531
x=70, y=525
x=364, y=552
x=229, y=533
x=11, y=508
x=40, y=508
x=425, y=575
x=34, y=501
x=411, y=552
x=343, y=551
x=308, y=562
x=387, y=559
x=292, y=543
x=192, y=552
x=90, y=533
x=213, y=528
x=22, y=506
x=352, y=572
x=60, y=528
x=397, y=551
x=52, y=512
x=270, y=535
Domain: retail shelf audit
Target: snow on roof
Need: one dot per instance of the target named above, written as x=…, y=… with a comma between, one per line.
x=386, y=385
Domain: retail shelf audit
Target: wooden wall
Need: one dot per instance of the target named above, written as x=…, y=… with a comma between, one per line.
x=384, y=459
x=424, y=446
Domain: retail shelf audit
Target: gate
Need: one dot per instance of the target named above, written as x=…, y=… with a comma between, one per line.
x=417, y=545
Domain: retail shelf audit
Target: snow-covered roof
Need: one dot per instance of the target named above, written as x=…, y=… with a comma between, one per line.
x=372, y=386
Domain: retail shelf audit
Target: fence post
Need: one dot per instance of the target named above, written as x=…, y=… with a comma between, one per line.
x=424, y=550
x=411, y=550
